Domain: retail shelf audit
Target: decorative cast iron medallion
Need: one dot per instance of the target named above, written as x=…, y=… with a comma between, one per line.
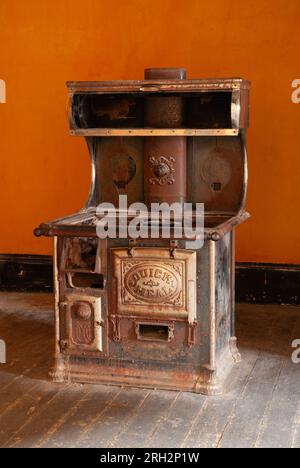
x=163, y=170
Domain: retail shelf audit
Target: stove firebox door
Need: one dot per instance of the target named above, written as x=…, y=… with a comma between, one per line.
x=83, y=325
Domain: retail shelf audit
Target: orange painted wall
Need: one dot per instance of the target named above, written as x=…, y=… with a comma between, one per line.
x=45, y=172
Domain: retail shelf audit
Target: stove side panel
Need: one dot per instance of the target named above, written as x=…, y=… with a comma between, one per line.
x=224, y=310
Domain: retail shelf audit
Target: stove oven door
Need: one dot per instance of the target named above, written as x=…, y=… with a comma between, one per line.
x=153, y=297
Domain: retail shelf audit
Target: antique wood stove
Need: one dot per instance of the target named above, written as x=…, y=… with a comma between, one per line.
x=152, y=312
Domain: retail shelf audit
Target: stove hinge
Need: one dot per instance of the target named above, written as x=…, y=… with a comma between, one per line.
x=192, y=334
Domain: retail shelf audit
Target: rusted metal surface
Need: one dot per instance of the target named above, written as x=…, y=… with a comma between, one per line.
x=150, y=312
x=84, y=225
x=120, y=163
x=121, y=116
x=143, y=132
x=165, y=170
x=165, y=74
x=184, y=341
x=164, y=112
x=161, y=84
x=165, y=157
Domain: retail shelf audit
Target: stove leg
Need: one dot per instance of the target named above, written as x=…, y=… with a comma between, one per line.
x=234, y=350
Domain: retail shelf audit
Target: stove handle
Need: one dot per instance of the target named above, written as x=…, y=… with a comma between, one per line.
x=133, y=243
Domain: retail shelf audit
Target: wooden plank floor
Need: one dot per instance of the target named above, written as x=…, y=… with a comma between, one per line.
x=260, y=409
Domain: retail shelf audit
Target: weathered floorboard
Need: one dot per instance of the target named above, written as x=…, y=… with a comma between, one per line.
x=83, y=415
x=210, y=423
x=242, y=428
x=173, y=428
x=261, y=408
x=150, y=414
x=41, y=426
x=276, y=428
x=113, y=419
x=27, y=406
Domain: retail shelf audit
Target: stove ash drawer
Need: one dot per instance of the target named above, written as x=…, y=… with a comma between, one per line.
x=81, y=325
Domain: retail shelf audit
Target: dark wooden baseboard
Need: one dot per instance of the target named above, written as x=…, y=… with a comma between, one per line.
x=268, y=283
x=261, y=283
x=32, y=273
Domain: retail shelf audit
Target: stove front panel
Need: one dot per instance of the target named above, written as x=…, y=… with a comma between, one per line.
x=151, y=283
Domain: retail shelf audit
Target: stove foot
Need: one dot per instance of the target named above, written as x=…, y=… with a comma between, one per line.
x=60, y=372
